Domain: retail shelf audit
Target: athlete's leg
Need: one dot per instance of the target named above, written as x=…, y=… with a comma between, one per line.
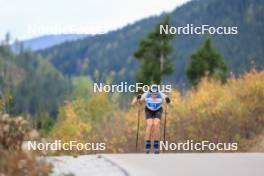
x=156, y=123
x=156, y=135
x=148, y=134
x=157, y=118
x=148, y=129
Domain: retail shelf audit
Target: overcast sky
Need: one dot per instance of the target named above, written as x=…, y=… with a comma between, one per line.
x=28, y=18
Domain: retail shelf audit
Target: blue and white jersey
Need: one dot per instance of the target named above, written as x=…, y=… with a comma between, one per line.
x=153, y=104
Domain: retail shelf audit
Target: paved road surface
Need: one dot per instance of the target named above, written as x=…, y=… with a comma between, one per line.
x=86, y=165
x=235, y=164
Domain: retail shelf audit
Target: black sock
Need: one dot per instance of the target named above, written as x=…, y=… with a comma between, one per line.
x=156, y=144
x=148, y=144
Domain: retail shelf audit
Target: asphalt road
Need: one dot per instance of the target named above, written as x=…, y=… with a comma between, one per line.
x=217, y=164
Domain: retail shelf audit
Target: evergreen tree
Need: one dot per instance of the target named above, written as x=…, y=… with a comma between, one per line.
x=153, y=56
x=206, y=61
x=29, y=84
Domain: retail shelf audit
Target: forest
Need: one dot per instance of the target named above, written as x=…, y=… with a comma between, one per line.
x=217, y=84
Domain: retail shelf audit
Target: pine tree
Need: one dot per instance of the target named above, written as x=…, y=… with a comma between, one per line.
x=153, y=55
x=206, y=61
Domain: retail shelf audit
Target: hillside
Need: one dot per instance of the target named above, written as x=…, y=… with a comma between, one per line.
x=112, y=54
x=27, y=84
x=46, y=41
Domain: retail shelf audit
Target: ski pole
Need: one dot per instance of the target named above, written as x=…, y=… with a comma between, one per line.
x=138, y=126
x=165, y=121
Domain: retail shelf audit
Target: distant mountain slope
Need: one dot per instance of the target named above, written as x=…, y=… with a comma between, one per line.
x=112, y=53
x=29, y=80
x=49, y=40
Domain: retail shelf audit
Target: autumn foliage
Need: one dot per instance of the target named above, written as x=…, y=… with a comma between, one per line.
x=213, y=111
x=231, y=112
x=13, y=161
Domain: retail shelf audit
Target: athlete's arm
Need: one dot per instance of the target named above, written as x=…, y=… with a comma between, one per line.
x=134, y=101
x=166, y=97
x=139, y=98
x=143, y=97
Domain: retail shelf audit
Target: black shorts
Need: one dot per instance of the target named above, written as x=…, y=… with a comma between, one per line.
x=153, y=114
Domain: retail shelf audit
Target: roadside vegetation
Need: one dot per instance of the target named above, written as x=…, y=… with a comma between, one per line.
x=212, y=111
